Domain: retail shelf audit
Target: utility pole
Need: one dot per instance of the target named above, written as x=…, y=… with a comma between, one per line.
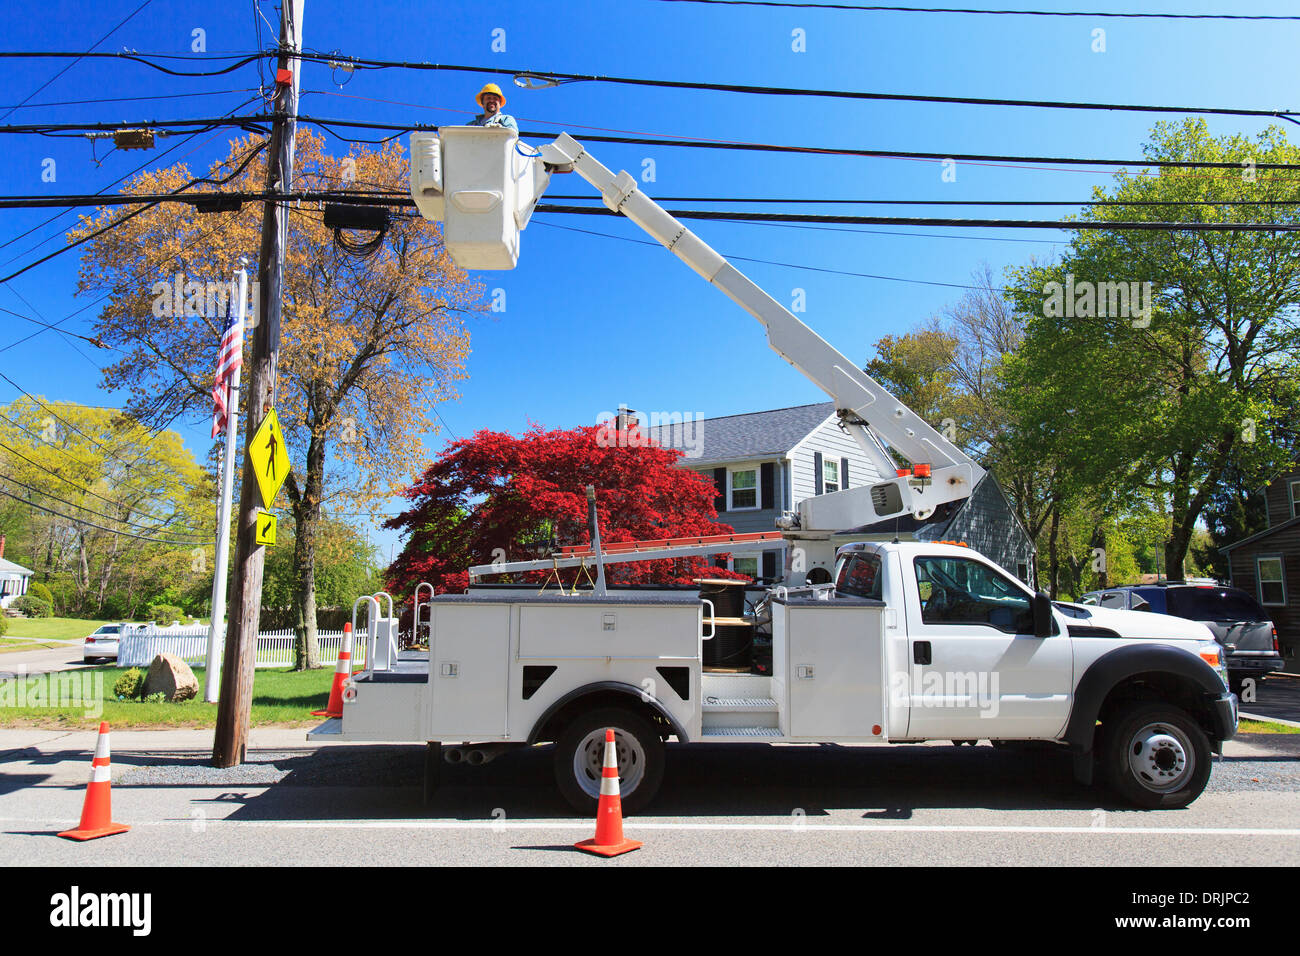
x=237, y=669
x=217, y=629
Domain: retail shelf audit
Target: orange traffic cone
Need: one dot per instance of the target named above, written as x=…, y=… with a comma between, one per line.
x=609, y=811
x=97, y=812
x=342, y=671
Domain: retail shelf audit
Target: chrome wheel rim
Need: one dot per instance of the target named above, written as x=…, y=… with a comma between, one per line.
x=589, y=762
x=1161, y=757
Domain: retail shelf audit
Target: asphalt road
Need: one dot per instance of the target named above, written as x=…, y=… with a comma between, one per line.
x=63, y=656
x=720, y=804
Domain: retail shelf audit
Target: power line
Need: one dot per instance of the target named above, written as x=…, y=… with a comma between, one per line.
x=969, y=10
x=59, y=448
x=121, y=99
x=551, y=78
x=73, y=504
x=132, y=172
x=161, y=126
x=144, y=59
x=954, y=202
x=64, y=478
x=131, y=215
x=773, y=262
x=89, y=524
x=826, y=150
x=733, y=216
x=119, y=26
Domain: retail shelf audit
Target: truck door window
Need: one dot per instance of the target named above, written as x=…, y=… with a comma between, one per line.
x=964, y=591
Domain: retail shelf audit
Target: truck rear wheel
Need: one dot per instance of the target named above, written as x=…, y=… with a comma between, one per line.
x=1155, y=756
x=580, y=752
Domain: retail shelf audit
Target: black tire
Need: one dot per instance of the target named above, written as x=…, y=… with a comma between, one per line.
x=1154, y=755
x=635, y=740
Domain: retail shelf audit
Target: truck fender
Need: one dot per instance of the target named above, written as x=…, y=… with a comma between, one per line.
x=607, y=686
x=1119, y=665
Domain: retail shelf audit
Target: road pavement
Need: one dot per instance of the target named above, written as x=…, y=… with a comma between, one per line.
x=298, y=803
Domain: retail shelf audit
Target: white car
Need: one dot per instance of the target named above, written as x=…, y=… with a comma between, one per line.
x=102, y=645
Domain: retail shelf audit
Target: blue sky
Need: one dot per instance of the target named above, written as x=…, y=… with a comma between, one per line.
x=592, y=321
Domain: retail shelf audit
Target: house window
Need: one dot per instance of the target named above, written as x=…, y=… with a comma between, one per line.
x=1022, y=572
x=745, y=566
x=1294, y=489
x=830, y=476
x=1272, y=589
x=744, y=489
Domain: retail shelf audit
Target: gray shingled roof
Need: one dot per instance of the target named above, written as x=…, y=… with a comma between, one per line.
x=753, y=435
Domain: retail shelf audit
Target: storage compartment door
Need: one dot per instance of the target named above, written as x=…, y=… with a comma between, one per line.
x=469, y=672
x=834, y=672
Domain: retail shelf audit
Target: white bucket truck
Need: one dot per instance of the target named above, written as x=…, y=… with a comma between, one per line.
x=908, y=642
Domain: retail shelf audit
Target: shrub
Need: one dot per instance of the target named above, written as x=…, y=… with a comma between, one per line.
x=129, y=684
x=38, y=590
x=164, y=613
x=32, y=606
x=157, y=698
x=4, y=624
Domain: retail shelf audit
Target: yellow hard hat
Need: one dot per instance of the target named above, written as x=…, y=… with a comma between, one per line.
x=490, y=88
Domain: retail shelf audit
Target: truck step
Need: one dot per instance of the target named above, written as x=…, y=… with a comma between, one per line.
x=733, y=705
x=728, y=733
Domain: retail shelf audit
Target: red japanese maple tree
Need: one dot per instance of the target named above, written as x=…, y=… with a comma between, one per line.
x=498, y=497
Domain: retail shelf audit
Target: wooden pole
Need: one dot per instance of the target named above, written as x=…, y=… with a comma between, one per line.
x=231, y=738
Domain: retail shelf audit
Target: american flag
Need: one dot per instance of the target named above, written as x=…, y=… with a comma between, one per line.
x=229, y=358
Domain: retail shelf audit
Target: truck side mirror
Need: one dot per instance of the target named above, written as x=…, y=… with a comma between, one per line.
x=1042, y=607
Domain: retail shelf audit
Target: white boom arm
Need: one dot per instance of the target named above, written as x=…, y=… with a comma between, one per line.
x=866, y=408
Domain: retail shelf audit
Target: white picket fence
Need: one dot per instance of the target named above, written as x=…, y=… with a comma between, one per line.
x=190, y=644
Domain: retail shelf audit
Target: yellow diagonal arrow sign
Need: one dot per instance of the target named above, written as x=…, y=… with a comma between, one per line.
x=269, y=457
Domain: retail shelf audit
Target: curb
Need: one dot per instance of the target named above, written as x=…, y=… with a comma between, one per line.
x=1270, y=720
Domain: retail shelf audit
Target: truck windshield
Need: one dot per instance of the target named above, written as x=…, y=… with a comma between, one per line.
x=859, y=576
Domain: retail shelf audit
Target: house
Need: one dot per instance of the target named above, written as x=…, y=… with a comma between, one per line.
x=14, y=579
x=764, y=463
x=1267, y=564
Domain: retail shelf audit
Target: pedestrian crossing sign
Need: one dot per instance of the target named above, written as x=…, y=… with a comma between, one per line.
x=269, y=458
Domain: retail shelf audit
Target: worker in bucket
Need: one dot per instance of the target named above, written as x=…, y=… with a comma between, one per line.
x=492, y=100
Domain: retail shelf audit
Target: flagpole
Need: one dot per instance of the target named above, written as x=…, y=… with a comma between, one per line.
x=217, y=629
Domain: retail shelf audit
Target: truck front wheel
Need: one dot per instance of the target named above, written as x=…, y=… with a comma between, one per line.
x=580, y=752
x=1155, y=756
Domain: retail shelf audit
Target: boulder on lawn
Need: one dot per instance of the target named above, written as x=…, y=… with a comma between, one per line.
x=170, y=676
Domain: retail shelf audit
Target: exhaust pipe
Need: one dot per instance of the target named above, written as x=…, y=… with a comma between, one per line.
x=475, y=758
x=453, y=755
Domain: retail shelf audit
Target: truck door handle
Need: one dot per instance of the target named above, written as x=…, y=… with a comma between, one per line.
x=921, y=652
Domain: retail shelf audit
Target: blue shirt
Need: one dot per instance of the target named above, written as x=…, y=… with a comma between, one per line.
x=499, y=119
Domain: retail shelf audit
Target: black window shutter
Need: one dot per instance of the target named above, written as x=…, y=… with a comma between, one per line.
x=844, y=473
x=817, y=473
x=769, y=564
x=720, y=484
x=767, y=478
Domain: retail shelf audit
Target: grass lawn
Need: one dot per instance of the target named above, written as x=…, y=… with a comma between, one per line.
x=52, y=628
x=1265, y=727
x=279, y=697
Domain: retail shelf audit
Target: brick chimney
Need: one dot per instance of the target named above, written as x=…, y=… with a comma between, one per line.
x=625, y=419
x=2, y=546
